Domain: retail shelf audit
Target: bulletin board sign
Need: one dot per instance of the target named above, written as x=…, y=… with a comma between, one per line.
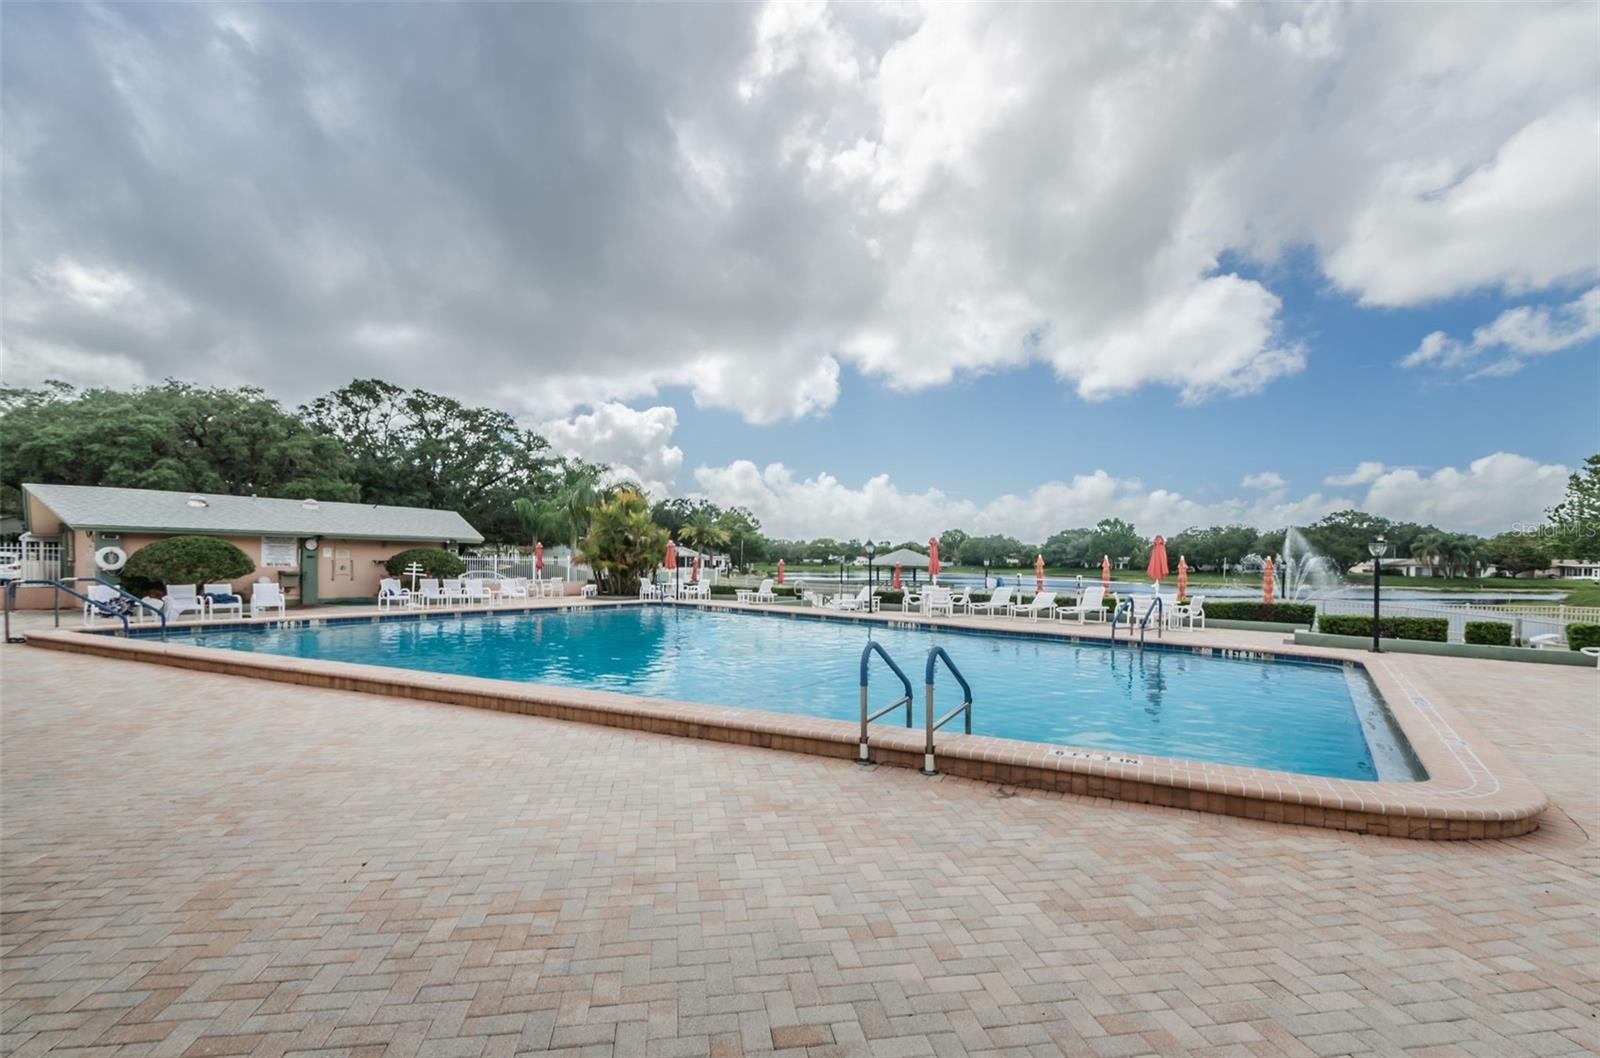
x=280, y=552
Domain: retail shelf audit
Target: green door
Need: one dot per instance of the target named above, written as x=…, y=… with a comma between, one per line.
x=308, y=573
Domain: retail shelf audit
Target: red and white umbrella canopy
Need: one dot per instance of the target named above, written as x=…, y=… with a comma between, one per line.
x=897, y=576
x=1267, y=581
x=1183, y=577
x=538, y=555
x=695, y=574
x=1105, y=572
x=672, y=555
x=780, y=571
x=933, y=556
x=1038, y=573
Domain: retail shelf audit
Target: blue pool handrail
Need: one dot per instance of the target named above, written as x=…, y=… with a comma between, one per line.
x=64, y=585
x=936, y=655
x=1116, y=616
x=1161, y=623
x=874, y=647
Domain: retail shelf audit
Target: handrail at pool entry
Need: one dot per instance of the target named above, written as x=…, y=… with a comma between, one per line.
x=873, y=646
x=1116, y=617
x=1155, y=607
x=61, y=585
x=935, y=655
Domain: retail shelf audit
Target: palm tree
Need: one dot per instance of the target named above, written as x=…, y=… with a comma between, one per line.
x=563, y=515
x=704, y=532
x=622, y=543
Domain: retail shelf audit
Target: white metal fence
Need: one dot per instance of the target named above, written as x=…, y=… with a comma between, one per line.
x=41, y=559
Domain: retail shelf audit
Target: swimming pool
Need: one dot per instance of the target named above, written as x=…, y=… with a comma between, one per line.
x=1312, y=717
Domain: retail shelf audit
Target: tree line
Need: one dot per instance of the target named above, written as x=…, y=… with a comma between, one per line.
x=374, y=442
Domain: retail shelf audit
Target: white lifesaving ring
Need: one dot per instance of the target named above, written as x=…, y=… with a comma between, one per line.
x=111, y=559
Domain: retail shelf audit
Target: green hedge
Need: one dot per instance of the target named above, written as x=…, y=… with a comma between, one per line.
x=1581, y=634
x=890, y=596
x=436, y=564
x=727, y=589
x=1489, y=633
x=184, y=560
x=1429, y=629
x=1289, y=613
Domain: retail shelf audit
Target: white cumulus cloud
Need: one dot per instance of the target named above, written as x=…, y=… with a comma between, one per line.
x=1513, y=338
x=634, y=442
x=1265, y=480
x=1365, y=473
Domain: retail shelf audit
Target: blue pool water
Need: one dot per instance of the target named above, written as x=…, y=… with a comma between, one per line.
x=1312, y=718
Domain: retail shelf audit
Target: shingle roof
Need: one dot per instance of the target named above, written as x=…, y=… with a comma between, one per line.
x=94, y=507
x=904, y=556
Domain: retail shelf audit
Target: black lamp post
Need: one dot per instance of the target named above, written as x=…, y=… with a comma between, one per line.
x=1376, y=549
x=872, y=552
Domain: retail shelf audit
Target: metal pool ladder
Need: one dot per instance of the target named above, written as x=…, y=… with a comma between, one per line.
x=1156, y=606
x=936, y=655
x=873, y=647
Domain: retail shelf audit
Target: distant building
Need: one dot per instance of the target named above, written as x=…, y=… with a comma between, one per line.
x=317, y=551
x=1575, y=568
x=1410, y=567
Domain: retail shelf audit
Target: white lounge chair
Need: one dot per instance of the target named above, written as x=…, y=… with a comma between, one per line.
x=960, y=601
x=761, y=594
x=648, y=590
x=220, y=596
x=431, y=592
x=937, y=601
x=264, y=597
x=997, y=603
x=390, y=593
x=862, y=600
x=182, y=599
x=453, y=590
x=1043, y=603
x=1089, y=605
x=510, y=590
x=475, y=591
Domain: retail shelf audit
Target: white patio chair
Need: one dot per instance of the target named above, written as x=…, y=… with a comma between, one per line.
x=960, y=601
x=390, y=593
x=1191, y=613
x=1043, y=603
x=937, y=601
x=431, y=592
x=1089, y=605
x=648, y=590
x=553, y=587
x=997, y=604
x=475, y=591
x=453, y=590
x=761, y=594
x=182, y=599
x=97, y=593
x=510, y=590
x=265, y=597
x=220, y=596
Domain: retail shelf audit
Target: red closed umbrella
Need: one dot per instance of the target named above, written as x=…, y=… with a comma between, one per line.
x=672, y=558
x=1038, y=573
x=1157, y=567
x=780, y=571
x=897, y=576
x=1105, y=572
x=1266, y=581
x=933, y=557
x=1183, y=577
x=538, y=558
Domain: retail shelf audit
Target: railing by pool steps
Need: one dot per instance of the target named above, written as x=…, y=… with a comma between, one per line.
x=874, y=647
x=936, y=655
x=125, y=603
x=1156, y=607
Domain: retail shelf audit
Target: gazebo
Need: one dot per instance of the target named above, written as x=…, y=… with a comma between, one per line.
x=906, y=558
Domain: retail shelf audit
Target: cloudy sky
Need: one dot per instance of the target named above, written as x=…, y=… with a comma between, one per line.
x=870, y=270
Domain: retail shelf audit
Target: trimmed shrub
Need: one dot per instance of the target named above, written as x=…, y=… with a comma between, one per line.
x=1489, y=633
x=1580, y=634
x=725, y=589
x=1290, y=613
x=784, y=589
x=435, y=563
x=980, y=596
x=184, y=560
x=1428, y=629
x=890, y=596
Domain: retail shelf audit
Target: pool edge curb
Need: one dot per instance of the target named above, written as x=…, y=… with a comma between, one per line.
x=1473, y=795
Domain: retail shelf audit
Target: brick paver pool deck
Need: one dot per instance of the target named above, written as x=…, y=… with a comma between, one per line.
x=201, y=864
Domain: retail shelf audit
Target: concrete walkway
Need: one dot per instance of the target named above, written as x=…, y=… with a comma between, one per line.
x=196, y=864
